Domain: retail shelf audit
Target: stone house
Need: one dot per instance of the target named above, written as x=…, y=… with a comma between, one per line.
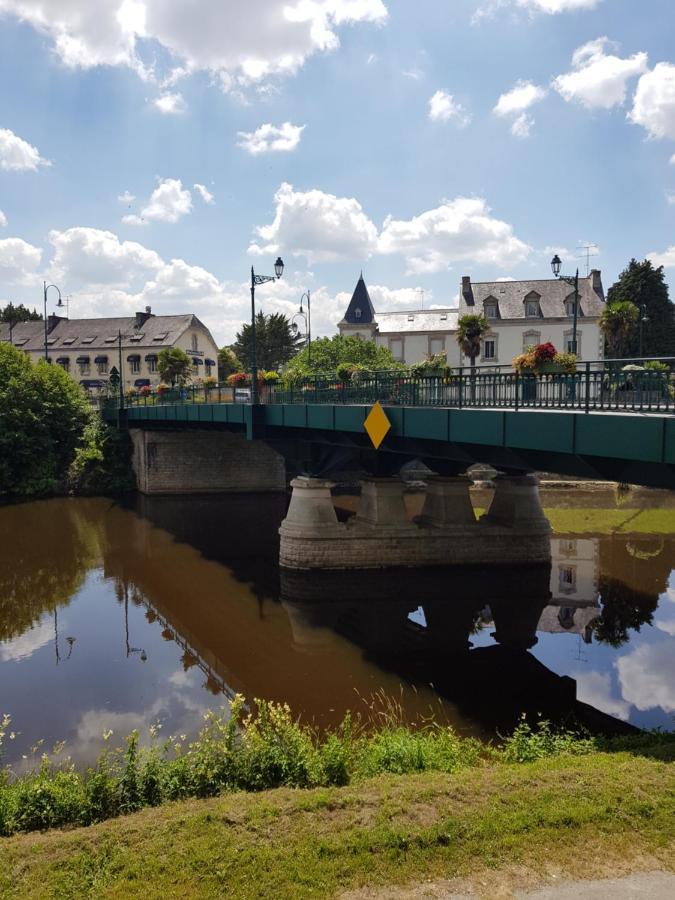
x=89, y=348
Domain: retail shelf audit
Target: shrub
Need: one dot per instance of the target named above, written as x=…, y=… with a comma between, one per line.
x=654, y=365
x=239, y=379
x=433, y=365
x=567, y=362
x=269, y=377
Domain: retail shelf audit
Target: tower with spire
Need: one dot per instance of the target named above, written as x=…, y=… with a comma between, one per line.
x=359, y=317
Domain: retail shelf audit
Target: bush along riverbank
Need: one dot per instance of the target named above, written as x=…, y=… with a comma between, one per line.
x=51, y=440
x=239, y=751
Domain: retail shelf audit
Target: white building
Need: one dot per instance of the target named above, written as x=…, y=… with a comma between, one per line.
x=89, y=348
x=520, y=313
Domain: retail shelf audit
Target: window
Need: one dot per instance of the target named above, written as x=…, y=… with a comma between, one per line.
x=436, y=345
x=532, y=309
x=84, y=368
x=89, y=339
x=568, y=548
x=531, y=339
x=207, y=369
x=110, y=339
x=490, y=349
x=69, y=340
x=569, y=308
x=567, y=579
x=135, y=366
x=490, y=310
x=444, y=317
x=152, y=366
x=569, y=343
x=411, y=318
x=102, y=368
x=161, y=337
x=357, y=313
x=396, y=347
x=195, y=342
x=64, y=362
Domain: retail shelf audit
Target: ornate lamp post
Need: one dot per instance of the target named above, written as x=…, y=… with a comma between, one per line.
x=256, y=280
x=572, y=280
x=59, y=304
x=308, y=324
x=643, y=318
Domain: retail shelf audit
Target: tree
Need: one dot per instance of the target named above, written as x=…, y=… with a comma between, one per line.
x=618, y=324
x=174, y=366
x=329, y=353
x=642, y=284
x=470, y=330
x=228, y=363
x=20, y=313
x=275, y=342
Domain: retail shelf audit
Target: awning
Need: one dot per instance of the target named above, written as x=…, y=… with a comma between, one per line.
x=197, y=362
x=142, y=382
x=92, y=383
x=210, y=362
x=82, y=360
x=100, y=359
x=134, y=357
x=151, y=357
x=62, y=359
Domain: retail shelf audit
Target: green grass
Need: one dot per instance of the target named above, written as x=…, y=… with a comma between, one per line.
x=576, y=815
x=606, y=521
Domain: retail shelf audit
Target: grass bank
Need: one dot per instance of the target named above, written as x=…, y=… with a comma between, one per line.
x=502, y=822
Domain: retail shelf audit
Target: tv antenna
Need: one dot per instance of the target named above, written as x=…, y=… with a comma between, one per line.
x=420, y=291
x=587, y=250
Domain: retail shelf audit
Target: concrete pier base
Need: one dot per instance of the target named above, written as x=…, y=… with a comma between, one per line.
x=446, y=534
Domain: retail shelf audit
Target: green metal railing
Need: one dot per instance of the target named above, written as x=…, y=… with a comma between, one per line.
x=595, y=386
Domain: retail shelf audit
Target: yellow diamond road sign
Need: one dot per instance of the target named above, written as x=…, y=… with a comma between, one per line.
x=377, y=424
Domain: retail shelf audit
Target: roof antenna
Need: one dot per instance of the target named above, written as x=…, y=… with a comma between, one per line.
x=588, y=250
x=420, y=291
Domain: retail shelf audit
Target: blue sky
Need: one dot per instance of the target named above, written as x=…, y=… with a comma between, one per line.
x=416, y=141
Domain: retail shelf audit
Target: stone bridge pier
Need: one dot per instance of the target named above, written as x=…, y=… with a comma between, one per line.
x=380, y=535
x=199, y=462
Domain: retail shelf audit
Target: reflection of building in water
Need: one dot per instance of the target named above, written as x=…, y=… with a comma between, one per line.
x=574, y=604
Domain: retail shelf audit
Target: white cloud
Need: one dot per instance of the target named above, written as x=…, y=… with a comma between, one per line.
x=548, y=7
x=443, y=107
x=665, y=259
x=670, y=198
x=3, y=219
x=271, y=138
x=169, y=202
x=204, y=193
x=27, y=643
x=672, y=160
x=126, y=197
x=654, y=102
x=458, y=231
x=90, y=258
x=595, y=688
x=318, y=226
x=17, y=155
x=19, y=261
x=514, y=103
x=647, y=676
x=599, y=79
x=238, y=42
x=170, y=103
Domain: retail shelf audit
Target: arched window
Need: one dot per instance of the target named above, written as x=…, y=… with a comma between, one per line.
x=531, y=339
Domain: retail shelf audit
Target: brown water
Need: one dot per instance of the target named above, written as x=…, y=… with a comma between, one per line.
x=117, y=617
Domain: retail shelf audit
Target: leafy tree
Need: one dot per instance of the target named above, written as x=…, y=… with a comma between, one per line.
x=275, y=342
x=174, y=366
x=20, y=313
x=642, y=284
x=43, y=414
x=470, y=330
x=623, y=609
x=228, y=363
x=618, y=323
x=329, y=353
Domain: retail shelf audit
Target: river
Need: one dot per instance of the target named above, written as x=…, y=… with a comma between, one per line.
x=118, y=616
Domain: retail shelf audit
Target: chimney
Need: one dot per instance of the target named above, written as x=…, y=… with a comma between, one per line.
x=52, y=321
x=467, y=290
x=142, y=317
x=596, y=282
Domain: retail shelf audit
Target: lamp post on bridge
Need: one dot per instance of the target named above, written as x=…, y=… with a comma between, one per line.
x=60, y=304
x=573, y=280
x=643, y=318
x=256, y=280
x=308, y=324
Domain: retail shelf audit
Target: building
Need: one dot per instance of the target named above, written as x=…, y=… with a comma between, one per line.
x=520, y=313
x=89, y=348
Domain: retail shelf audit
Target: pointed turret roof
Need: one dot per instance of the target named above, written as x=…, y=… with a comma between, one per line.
x=360, y=310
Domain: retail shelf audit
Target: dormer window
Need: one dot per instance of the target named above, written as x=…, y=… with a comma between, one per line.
x=491, y=309
x=357, y=313
x=411, y=318
x=532, y=310
x=569, y=308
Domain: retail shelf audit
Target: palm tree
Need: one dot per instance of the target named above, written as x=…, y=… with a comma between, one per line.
x=618, y=323
x=470, y=330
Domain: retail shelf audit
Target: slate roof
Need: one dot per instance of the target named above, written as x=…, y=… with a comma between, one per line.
x=510, y=296
x=74, y=334
x=423, y=320
x=361, y=301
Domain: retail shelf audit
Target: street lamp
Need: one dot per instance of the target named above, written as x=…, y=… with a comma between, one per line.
x=256, y=280
x=573, y=280
x=59, y=304
x=308, y=324
x=643, y=318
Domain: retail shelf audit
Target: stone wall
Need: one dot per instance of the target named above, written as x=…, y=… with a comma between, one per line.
x=195, y=462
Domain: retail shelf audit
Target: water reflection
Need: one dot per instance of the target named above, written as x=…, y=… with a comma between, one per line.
x=116, y=617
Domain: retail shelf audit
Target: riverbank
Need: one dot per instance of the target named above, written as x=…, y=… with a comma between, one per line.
x=502, y=826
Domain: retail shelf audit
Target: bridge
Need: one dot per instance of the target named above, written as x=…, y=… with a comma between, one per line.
x=617, y=427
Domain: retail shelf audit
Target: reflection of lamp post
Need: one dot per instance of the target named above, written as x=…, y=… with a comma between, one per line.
x=69, y=640
x=308, y=325
x=130, y=649
x=572, y=280
x=59, y=304
x=643, y=318
x=256, y=280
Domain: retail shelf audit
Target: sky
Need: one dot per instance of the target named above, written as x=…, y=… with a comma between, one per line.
x=152, y=151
